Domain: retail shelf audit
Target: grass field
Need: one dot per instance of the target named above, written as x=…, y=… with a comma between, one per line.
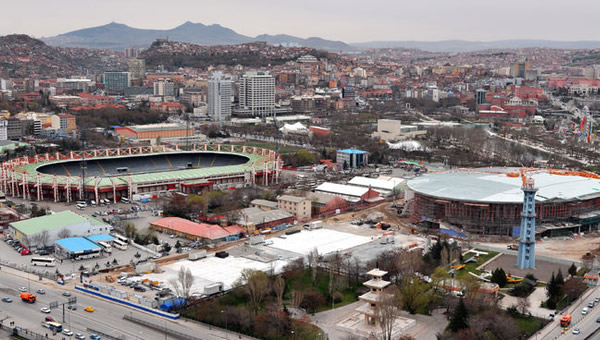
x=470, y=267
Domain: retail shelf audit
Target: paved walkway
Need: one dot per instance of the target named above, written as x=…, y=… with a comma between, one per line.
x=426, y=328
x=535, y=299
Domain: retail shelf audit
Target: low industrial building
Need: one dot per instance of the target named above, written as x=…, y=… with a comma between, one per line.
x=43, y=231
x=101, y=238
x=8, y=216
x=385, y=185
x=392, y=130
x=297, y=206
x=77, y=248
x=350, y=193
x=263, y=204
x=196, y=231
x=352, y=157
x=327, y=204
x=257, y=219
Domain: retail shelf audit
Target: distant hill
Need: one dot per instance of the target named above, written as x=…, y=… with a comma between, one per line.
x=22, y=56
x=469, y=46
x=119, y=36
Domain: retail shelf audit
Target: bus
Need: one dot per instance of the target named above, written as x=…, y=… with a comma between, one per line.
x=105, y=246
x=119, y=244
x=54, y=326
x=43, y=261
x=121, y=238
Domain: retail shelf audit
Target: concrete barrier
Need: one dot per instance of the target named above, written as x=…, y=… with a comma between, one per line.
x=129, y=303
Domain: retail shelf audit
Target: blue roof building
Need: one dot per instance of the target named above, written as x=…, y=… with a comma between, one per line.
x=352, y=157
x=77, y=248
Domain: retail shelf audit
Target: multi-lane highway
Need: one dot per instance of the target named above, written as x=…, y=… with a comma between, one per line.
x=107, y=317
x=587, y=324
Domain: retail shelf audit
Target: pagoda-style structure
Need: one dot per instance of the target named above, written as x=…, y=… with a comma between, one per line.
x=372, y=298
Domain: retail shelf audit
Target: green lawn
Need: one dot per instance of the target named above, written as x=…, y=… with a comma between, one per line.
x=470, y=267
x=529, y=325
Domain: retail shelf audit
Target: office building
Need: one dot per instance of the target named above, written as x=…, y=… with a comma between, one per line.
x=117, y=81
x=220, y=90
x=520, y=69
x=352, y=157
x=480, y=96
x=164, y=87
x=137, y=68
x=257, y=93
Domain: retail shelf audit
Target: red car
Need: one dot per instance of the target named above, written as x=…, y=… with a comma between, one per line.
x=49, y=319
x=25, y=251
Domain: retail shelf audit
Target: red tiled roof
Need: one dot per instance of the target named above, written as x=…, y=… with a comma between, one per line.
x=201, y=230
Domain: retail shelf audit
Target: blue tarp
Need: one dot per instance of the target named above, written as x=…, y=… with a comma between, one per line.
x=452, y=233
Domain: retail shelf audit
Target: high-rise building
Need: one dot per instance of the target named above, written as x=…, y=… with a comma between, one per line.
x=137, y=68
x=131, y=53
x=164, y=87
x=257, y=93
x=116, y=81
x=220, y=90
x=520, y=69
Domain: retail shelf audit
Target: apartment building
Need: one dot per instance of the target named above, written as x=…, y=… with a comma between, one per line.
x=297, y=206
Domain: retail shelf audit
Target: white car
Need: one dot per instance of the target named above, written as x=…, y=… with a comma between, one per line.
x=67, y=332
x=584, y=311
x=45, y=310
x=79, y=336
x=22, y=289
x=576, y=331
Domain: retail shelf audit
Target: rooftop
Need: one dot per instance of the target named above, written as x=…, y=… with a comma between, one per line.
x=290, y=198
x=356, y=151
x=201, y=230
x=51, y=222
x=100, y=238
x=264, y=203
x=77, y=244
x=257, y=216
x=377, y=183
x=347, y=190
x=493, y=185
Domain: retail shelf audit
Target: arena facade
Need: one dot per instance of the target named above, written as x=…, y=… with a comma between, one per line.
x=124, y=172
x=489, y=201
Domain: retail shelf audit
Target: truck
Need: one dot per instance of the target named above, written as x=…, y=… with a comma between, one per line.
x=197, y=255
x=315, y=225
x=213, y=288
x=28, y=297
x=565, y=321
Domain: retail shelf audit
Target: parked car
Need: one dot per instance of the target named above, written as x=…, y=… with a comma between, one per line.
x=139, y=289
x=6, y=299
x=585, y=310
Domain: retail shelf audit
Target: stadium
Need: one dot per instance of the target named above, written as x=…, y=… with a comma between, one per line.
x=489, y=201
x=148, y=170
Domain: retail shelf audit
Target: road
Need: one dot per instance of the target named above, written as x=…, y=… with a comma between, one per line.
x=107, y=317
x=586, y=323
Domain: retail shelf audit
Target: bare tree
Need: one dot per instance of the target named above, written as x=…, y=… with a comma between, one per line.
x=183, y=283
x=523, y=304
x=389, y=310
x=297, y=297
x=279, y=288
x=313, y=262
x=64, y=233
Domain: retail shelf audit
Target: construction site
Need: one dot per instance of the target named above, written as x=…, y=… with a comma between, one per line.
x=488, y=201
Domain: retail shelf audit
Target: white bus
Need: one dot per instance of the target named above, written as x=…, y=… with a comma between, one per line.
x=119, y=244
x=43, y=261
x=121, y=238
x=105, y=246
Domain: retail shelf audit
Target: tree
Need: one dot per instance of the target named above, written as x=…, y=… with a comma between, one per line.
x=523, y=305
x=64, y=233
x=389, y=311
x=296, y=297
x=183, y=283
x=313, y=263
x=279, y=288
x=130, y=230
x=560, y=280
x=573, y=269
x=459, y=319
x=312, y=300
x=256, y=285
x=499, y=277
x=415, y=294
x=305, y=157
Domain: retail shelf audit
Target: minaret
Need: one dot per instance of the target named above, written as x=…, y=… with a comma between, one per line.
x=526, y=257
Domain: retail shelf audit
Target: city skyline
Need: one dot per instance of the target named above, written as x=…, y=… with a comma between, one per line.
x=387, y=20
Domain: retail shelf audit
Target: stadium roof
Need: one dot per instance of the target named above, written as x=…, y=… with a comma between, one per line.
x=156, y=127
x=77, y=244
x=59, y=220
x=495, y=186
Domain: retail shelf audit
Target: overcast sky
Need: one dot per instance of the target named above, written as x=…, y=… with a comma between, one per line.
x=346, y=20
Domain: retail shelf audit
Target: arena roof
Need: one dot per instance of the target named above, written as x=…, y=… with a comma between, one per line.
x=51, y=222
x=495, y=186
